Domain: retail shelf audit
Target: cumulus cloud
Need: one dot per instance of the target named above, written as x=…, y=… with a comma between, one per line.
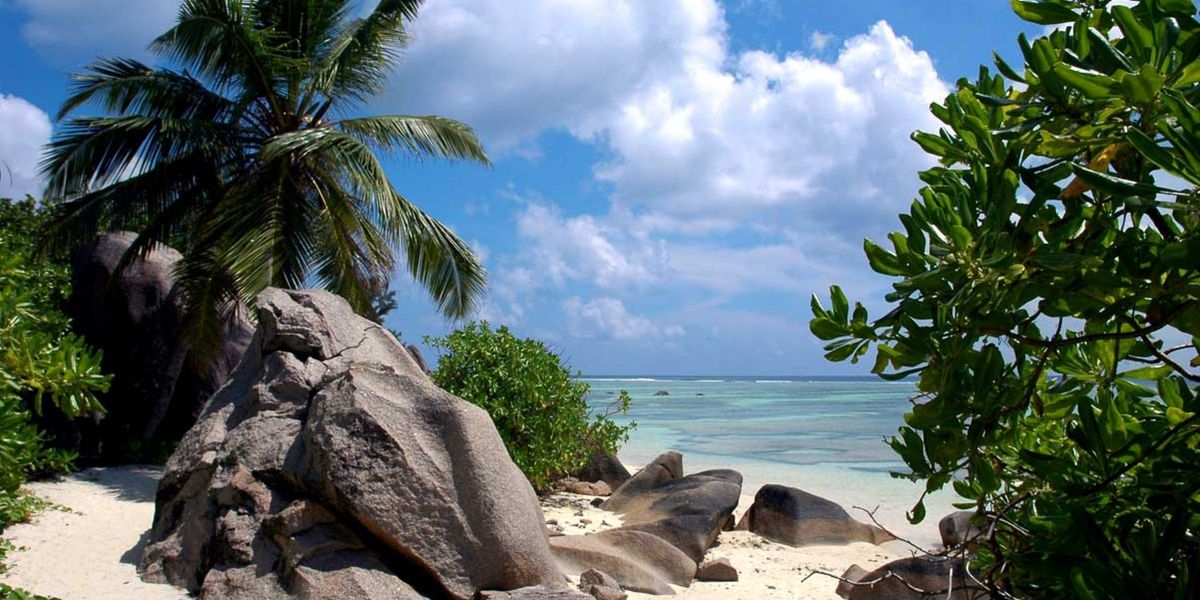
x=607, y=318
x=697, y=140
x=588, y=248
x=26, y=130
x=514, y=69
x=78, y=31
x=635, y=256
x=829, y=139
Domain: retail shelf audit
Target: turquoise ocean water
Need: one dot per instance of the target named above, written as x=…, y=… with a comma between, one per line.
x=822, y=434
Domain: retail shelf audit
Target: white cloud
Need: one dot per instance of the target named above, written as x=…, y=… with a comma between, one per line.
x=514, y=69
x=607, y=318
x=596, y=250
x=26, y=129
x=819, y=40
x=627, y=255
x=690, y=130
x=78, y=31
x=829, y=139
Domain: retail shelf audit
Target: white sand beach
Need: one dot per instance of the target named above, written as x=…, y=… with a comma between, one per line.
x=766, y=570
x=89, y=551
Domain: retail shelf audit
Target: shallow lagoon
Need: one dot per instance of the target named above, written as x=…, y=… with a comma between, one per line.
x=824, y=435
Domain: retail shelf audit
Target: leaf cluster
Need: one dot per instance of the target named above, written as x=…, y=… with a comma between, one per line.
x=1046, y=296
x=40, y=359
x=538, y=406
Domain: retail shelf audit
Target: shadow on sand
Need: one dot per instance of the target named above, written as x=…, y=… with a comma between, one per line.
x=132, y=483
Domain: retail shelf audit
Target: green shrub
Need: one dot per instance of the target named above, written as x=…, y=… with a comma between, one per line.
x=1047, y=294
x=40, y=359
x=539, y=408
x=11, y=593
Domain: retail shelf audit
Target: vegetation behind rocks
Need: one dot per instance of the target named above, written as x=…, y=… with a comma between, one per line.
x=537, y=405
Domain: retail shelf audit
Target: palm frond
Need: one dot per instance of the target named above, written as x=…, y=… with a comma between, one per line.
x=353, y=159
x=181, y=188
x=356, y=66
x=441, y=261
x=126, y=86
x=267, y=222
x=418, y=136
x=436, y=257
x=210, y=297
x=217, y=39
x=89, y=153
x=351, y=252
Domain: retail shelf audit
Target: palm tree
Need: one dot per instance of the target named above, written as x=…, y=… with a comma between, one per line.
x=249, y=157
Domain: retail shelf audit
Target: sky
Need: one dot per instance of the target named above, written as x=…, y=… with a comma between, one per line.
x=672, y=179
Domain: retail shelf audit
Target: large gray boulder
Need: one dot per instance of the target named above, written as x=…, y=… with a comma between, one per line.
x=638, y=561
x=917, y=578
x=959, y=528
x=797, y=518
x=669, y=523
x=136, y=318
x=687, y=511
x=602, y=466
x=330, y=466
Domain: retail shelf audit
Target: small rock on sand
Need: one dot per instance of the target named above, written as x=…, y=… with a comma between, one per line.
x=717, y=570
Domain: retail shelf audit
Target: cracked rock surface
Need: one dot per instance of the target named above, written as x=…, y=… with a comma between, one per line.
x=330, y=466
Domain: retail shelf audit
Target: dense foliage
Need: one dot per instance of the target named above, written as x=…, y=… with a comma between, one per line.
x=537, y=405
x=40, y=361
x=1047, y=295
x=249, y=162
x=10, y=593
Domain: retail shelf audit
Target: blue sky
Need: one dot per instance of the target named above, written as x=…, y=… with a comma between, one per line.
x=672, y=178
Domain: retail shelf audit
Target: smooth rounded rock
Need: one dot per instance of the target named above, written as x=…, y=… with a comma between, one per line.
x=794, y=517
x=959, y=527
x=935, y=577
x=717, y=570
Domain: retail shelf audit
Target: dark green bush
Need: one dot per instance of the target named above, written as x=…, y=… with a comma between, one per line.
x=11, y=593
x=537, y=405
x=1046, y=292
x=40, y=359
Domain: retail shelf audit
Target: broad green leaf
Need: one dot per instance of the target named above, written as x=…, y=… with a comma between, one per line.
x=827, y=329
x=1156, y=154
x=1043, y=13
x=841, y=306
x=1140, y=88
x=1139, y=37
x=1091, y=84
x=1176, y=416
x=1177, y=7
x=882, y=261
x=1116, y=186
x=1148, y=373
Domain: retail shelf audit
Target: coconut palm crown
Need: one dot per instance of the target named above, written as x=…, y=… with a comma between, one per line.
x=249, y=157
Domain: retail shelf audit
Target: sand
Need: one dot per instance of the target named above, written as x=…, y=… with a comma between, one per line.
x=89, y=552
x=766, y=570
